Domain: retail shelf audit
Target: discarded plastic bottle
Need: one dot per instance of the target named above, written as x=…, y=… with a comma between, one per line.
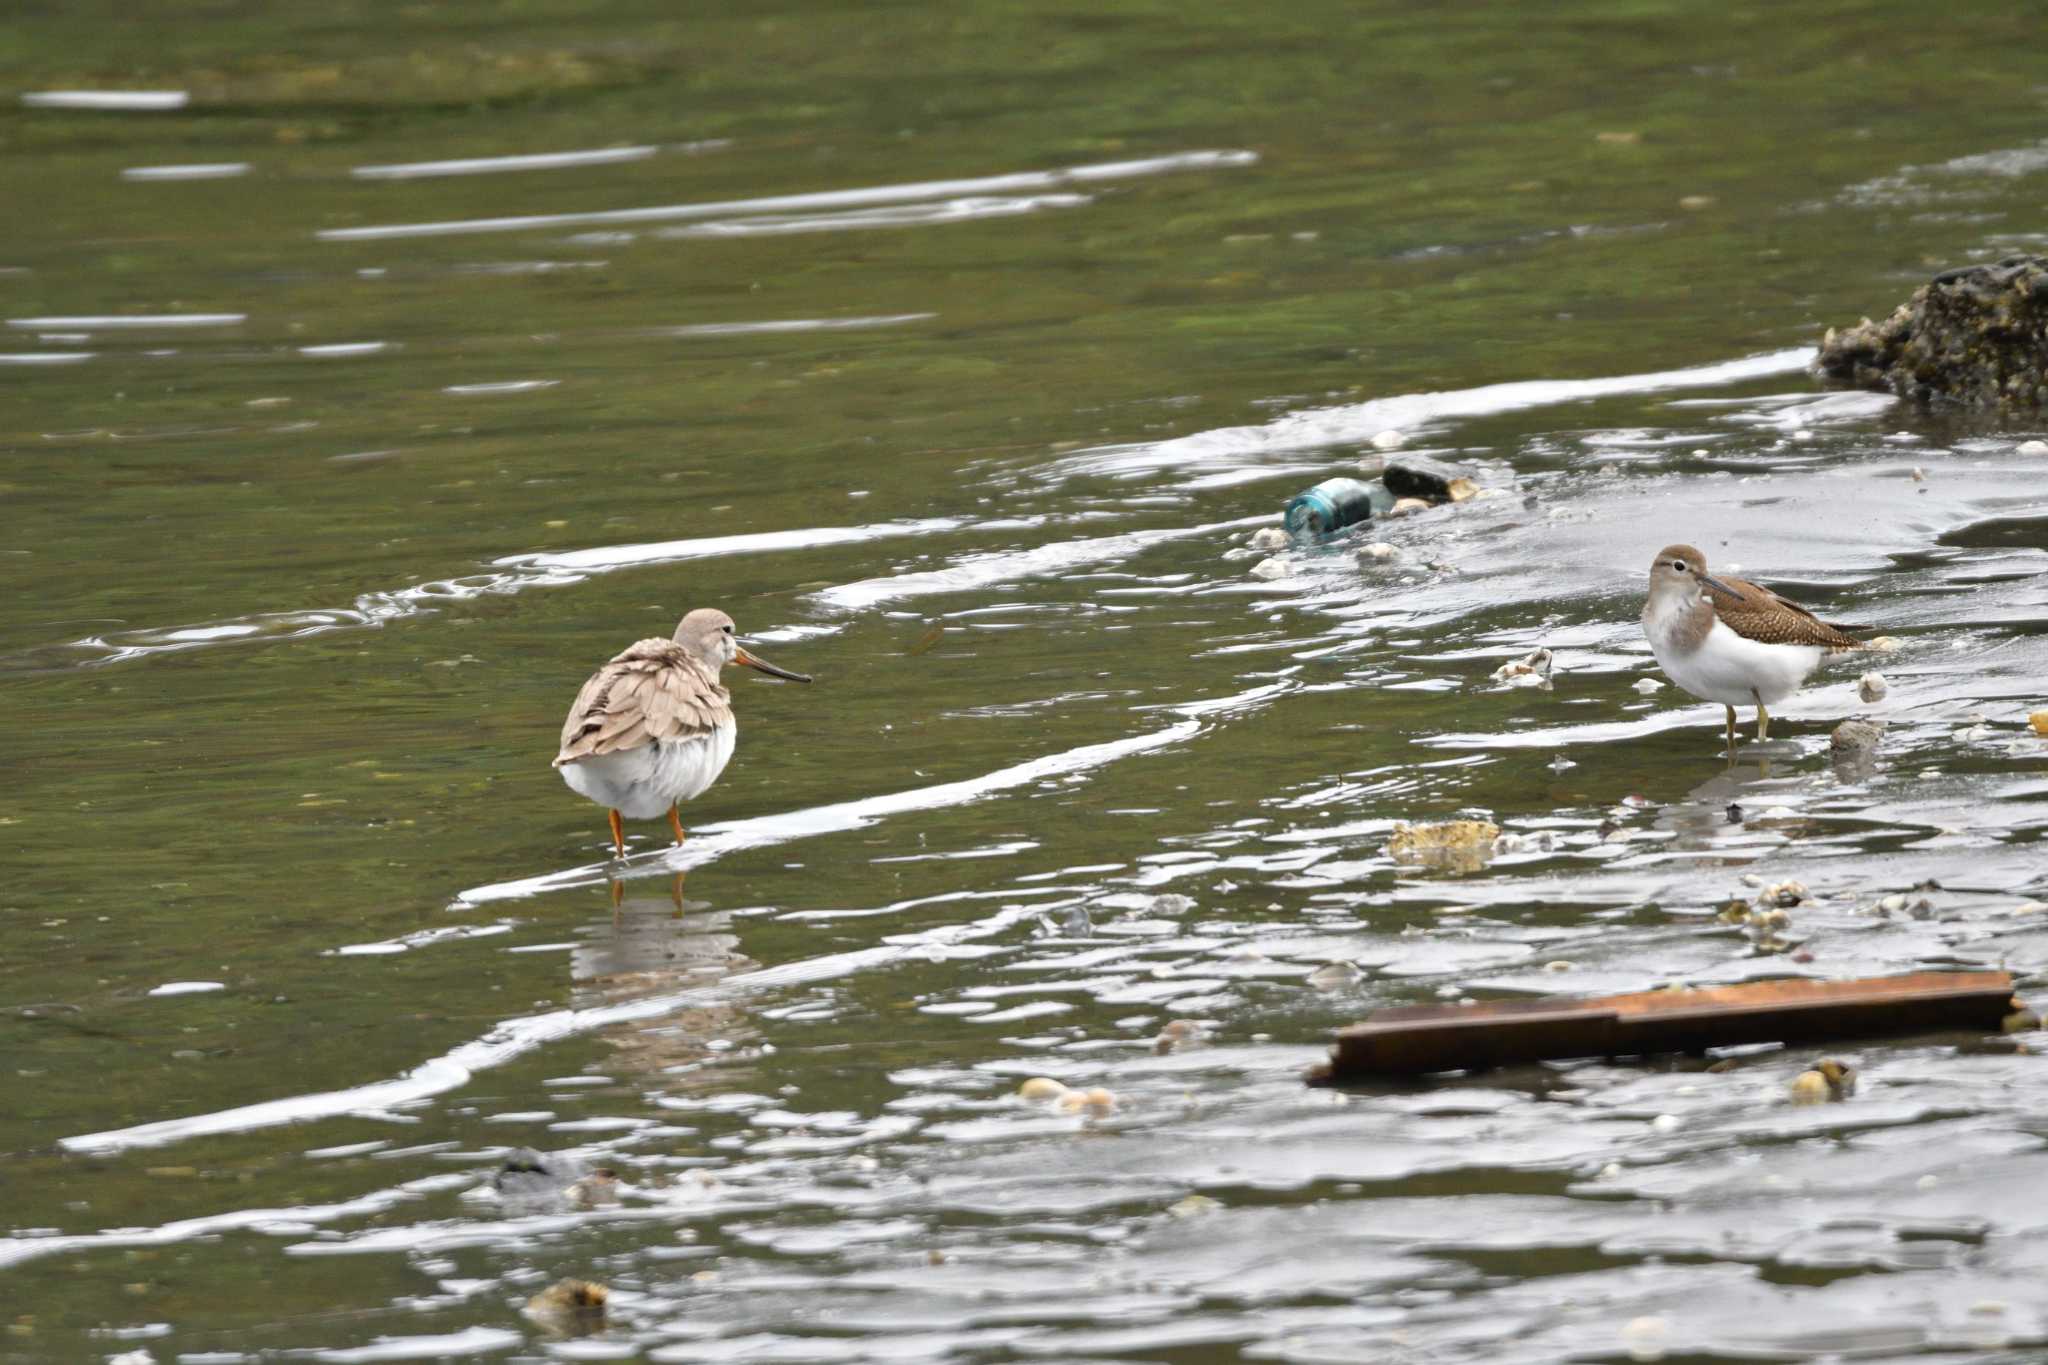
x=1334, y=504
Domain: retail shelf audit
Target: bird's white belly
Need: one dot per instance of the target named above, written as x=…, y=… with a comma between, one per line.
x=1735, y=671
x=644, y=782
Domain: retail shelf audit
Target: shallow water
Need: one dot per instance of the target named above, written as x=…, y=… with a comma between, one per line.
x=357, y=405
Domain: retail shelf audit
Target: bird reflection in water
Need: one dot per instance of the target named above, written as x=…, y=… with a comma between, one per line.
x=659, y=945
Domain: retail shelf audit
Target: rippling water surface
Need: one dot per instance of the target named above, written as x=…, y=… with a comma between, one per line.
x=369, y=377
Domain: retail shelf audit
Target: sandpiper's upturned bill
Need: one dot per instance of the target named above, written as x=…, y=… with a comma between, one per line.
x=1729, y=640
x=654, y=727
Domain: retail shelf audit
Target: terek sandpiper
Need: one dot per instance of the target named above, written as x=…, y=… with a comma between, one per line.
x=654, y=727
x=1731, y=641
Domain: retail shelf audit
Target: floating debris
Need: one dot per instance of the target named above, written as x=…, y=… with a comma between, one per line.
x=1872, y=687
x=1334, y=504
x=1041, y=1088
x=2039, y=720
x=1389, y=440
x=1460, y=844
x=2033, y=448
x=1178, y=1034
x=1268, y=538
x=1379, y=552
x=1786, y=894
x=570, y=1307
x=1270, y=569
x=1194, y=1206
x=1405, y=507
x=1531, y=670
x=2020, y=1021
x=1415, y=476
x=1853, y=746
x=1647, y=685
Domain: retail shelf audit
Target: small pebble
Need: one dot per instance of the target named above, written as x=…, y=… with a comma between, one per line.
x=1389, y=440
x=2033, y=448
x=1379, y=551
x=1407, y=506
x=2039, y=720
x=1270, y=569
x=1872, y=687
x=1268, y=538
x=1333, y=976
x=1096, y=1101
x=1647, y=685
x=1041, y=1088
x=1892, y=904
x=1558, y=966
x=1667, y=1123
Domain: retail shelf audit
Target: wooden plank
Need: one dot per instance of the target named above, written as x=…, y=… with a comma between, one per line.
x=1408, y=1040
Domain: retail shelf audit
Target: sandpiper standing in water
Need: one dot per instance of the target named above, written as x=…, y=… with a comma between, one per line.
x=1731, y=641
x=654, y=727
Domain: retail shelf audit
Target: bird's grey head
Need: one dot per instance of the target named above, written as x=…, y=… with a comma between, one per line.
x=708, y=636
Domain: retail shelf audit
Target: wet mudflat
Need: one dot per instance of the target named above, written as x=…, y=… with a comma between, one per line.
x=357, y=407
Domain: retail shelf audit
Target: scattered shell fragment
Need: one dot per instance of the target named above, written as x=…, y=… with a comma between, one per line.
x=1785, y=893
x=1041, y=1088
x=1095, y=1101
x=1178, y=1034
x=1647, y=685
x=1531, y=670
x=1270, y=569
x=1334, y=976
x=1559, y=966
x=1268, y=538
x=1872, y=687
x=1389, y=440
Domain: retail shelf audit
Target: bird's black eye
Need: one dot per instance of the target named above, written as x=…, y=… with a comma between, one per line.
x=1678, y=564
x=726, y=629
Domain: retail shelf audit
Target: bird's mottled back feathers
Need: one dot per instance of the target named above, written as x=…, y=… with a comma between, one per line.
x=652, y=690
x=1756, y=613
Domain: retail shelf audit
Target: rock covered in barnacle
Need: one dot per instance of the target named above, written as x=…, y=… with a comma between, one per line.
x=1972, y=337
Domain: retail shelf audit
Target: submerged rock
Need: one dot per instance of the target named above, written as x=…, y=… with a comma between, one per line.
x=1973, y=337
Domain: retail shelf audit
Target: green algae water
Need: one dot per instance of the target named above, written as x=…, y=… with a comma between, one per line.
x=371, y=374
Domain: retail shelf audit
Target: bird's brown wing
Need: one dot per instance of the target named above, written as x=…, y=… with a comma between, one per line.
x=1756, y=613
x=651, y=691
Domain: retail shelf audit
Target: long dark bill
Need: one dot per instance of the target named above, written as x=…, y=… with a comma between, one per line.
x=741, y=656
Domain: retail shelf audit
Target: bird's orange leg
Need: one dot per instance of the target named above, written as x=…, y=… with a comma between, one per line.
x=675, y=822
x=618, y=834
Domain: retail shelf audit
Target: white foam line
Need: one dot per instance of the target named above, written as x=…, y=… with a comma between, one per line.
x=734, y=329
x=210, y=170
x=515, y=1037
x=44, y=357
x=1198, y=454
x=15, y=1250
x=116, y=321
x=141, y=100
x=487, y=165
x=922, y=214
x=976, y=571
x=525, y=571
x=711, y=842
x=825, y=199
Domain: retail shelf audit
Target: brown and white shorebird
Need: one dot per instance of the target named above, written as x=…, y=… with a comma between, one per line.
x=654, y=727
x=1729, y=640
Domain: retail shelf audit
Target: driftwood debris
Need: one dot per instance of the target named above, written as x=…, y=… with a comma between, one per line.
x=1410, y=1040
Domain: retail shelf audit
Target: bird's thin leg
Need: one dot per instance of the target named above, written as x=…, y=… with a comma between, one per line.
x=618, y=834
x=1731, y=731
x=1763, y=719
x=618, y=895
x=676, y=894
x=675, y=822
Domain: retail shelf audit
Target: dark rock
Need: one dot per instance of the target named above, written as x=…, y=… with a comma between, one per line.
x=1418, y=476
x=1976, y=336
